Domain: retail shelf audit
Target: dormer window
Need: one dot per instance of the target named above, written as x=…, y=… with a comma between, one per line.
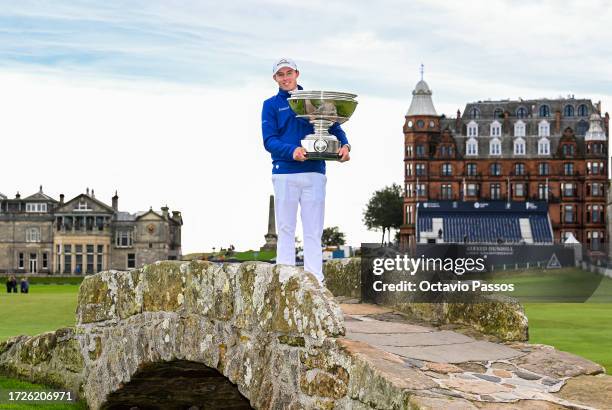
x=544, y=129
x=519, y=146
x=519, y=129
x=521, y=112
x=583, y=111
x=82, y=206
x=568, y=111
x=543, y=146
x=474, y=113
x=498, y=113
x=495, y=129
x=472, y=129
x=582, y=127
x=544, y=111
x=36, y=207
x=495, y=147
x=471, y=147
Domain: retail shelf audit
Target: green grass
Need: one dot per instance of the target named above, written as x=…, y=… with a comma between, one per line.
x=241, y=256
x=558, y=285
x=250, y=255
x=581, y=328
x=7, y=385
x=45, y=308
x=47, y=280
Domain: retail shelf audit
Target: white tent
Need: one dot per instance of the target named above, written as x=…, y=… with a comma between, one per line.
x=571, y=239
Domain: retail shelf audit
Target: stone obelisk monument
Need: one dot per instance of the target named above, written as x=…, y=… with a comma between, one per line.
x=271, y=236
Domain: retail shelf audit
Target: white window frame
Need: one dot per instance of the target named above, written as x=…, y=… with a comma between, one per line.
x=124, y=233
x=36, y=207
x=472, y=129
x=519, y=129
x=543, y=129
x=495, y=147
x=33, y=234
x=471, y=147
x=543, y=146
x=519, y=146
x=495, y=129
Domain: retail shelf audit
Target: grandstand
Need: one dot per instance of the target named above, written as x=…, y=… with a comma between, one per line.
x=483, y=222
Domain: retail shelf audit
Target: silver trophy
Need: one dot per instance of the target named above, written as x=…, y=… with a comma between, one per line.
x=322, y=109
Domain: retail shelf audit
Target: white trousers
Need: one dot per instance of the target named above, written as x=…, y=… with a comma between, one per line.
x=308, y=190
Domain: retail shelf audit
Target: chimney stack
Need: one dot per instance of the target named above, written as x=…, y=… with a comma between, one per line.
x=458, y=122
x=506, y=122
x=116, y=202
x=164, y=210
x=558, y=122
x=18, y=195
x=61, y=199
x=176, y=215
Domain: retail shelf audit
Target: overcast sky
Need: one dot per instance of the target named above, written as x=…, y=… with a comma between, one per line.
x=161, y=100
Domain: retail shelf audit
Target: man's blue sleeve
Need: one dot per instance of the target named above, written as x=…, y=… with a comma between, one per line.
x=271, y=139
x=339, y=133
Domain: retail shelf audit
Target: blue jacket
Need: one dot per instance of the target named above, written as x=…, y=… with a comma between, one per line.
x=282, y=133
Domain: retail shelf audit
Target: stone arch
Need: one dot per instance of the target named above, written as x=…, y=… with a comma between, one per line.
x=178, y=384
x=253, y=323
x=271, y=330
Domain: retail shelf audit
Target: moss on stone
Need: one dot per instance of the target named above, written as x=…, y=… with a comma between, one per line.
x=296, y=341
x=94, y=301
x=127, y=304
x=343, y=277
x=502, y=317
x=163, y=284
x=322, y=384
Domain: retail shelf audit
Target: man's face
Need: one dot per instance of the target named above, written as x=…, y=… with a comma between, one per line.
x=286, y=78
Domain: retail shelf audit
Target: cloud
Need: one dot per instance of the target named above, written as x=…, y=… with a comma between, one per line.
x=161, y=100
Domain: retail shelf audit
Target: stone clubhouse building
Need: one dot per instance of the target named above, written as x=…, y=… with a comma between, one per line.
x=40, y=235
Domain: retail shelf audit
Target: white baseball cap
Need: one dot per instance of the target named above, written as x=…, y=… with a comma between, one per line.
x=283, y=62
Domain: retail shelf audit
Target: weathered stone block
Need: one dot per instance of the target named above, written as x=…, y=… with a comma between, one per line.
x=343, y=277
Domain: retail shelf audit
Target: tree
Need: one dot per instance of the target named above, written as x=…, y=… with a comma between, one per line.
x=384, y=210
x=332, y=237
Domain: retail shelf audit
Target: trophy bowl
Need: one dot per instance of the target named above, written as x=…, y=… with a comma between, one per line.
x=322, y=109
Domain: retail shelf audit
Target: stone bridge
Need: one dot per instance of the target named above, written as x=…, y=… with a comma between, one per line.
x=205, y=336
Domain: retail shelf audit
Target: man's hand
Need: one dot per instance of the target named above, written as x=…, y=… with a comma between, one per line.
x=344, y=154
x=300, y=154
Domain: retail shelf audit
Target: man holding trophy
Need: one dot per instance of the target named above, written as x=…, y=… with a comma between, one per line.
x=301, y=129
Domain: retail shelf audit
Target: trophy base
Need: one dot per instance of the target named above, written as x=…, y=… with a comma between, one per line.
x=322, y=147
x=325, y=156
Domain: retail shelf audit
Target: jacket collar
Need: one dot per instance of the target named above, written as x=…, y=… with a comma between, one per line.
x=286, y=94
